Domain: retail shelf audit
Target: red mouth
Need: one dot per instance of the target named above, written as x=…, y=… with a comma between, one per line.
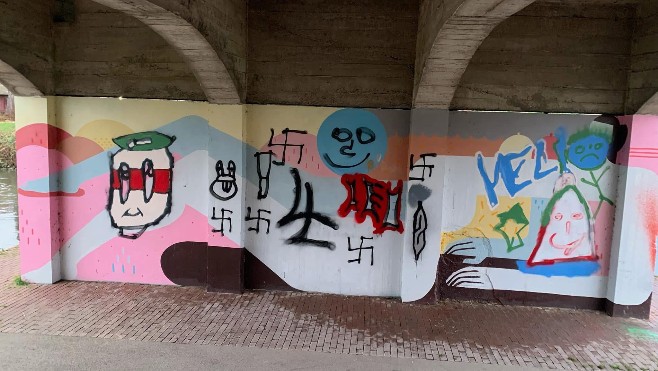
x=568, y=247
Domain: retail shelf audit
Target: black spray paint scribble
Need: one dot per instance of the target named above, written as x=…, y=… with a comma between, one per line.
x=223, y=217
x=423, y=166
x=258, y=218
x=263, y=168
x=285, y=145
x=420, y=226
x=224, y=187
x=360, y=250
x=308, y=215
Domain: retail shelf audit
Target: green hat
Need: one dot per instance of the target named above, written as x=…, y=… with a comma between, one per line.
x=144, y=141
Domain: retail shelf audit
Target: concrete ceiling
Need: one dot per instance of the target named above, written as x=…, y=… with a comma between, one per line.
x=188, y=41
x=367, y=53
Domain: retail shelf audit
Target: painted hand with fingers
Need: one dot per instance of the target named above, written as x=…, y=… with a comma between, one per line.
x=470, y=277
x=474, y=249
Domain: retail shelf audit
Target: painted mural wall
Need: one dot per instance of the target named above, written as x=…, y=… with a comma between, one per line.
x=527, y=202
x=419, y=204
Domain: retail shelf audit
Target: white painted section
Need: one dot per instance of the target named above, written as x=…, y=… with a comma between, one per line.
x=631, y=273
x=319, y=269
x=418, y=276
x=48, y=273
x=514, y=280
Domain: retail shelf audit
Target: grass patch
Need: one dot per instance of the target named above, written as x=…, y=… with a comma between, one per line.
x=18, y=281
x=7, y=150
x=7, y=127
x=623, y=367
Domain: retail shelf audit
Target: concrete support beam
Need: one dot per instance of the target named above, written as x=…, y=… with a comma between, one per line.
x=224, y=24
x=463, y=27
x=650, y=107
x=195, y=49
x=633, y=249
x=38, y=216
x=16, y=83
x=26, y=46
x=642, y=95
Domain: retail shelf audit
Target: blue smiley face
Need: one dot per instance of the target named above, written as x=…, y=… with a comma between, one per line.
x=589, y=152
x=352, y=141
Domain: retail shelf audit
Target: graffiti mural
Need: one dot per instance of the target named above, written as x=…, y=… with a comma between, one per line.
x=566, y=231
x=588, y=150
x=508, y=166
x=352, y=141
x=419, y=205
x=420, y=227
x=225, y=220
x=361, y=248
x=547, y=215
x=378, y=200
x=141, y=179
x=512, y=223
x=224, y=187
x=263, y=170
x=308, y=215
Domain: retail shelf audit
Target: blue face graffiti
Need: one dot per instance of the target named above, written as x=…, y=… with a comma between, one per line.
x=352, y=141
x=588, y=150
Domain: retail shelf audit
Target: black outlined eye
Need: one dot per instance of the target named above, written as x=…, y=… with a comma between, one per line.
x=365, y=135
x=341, y=134
x=147, y=176
x=124, y=182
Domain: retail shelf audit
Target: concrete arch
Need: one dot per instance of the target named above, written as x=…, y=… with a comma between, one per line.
x=204, y=62
x=16, y=83
x=456, y=30
x=650, y=107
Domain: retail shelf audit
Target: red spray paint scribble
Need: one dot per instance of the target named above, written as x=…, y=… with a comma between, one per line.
x=79, y=193
x=648, y=204
x=371, y=197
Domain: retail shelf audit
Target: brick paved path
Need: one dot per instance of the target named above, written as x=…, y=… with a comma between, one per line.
x=452, y=331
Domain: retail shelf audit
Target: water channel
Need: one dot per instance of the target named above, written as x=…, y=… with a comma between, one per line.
x=8, y=209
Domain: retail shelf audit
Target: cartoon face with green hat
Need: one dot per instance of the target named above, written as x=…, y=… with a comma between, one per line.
x=140, y=182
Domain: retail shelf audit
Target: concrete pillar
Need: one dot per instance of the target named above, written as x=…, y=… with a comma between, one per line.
x=225, y=261
x=36, y=137
x=635, y=231
x=424, y=214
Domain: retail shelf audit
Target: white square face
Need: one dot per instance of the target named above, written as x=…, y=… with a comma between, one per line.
x=136, y=200
x=136, y=212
